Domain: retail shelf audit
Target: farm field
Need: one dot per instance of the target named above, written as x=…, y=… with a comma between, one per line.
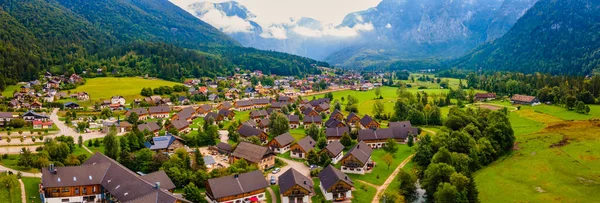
x=8, y=92
x=129, y=87
x=557, y=163
x=565, y=114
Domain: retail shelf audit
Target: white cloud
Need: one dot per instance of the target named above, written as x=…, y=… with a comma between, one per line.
x=276, y=32
x=388, y=26
x=228, y=24
x=334, y=31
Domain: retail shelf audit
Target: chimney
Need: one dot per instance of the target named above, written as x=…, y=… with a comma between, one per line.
x=236, y=175
x=305, y=182
x=358, y=146
x=156, y=185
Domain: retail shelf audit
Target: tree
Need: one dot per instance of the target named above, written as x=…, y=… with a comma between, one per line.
x=377, y=93
x=80, y=141
x=233, y=134
x=378, y=109
x=133, y=118
x=72, y=160
x=279, y=124
x=435, y=174
x=324, y=159
x=26, y=158
x=411, y=140
x=388, y=159
x=193, y=193
x=199, y=161
x=17, y=123
x=391, y=146
x=570, y=101
x=446, y=192
x=312, y=157
x=346, y=140
x=313, y=131
x=407, y=186
x=111, y=143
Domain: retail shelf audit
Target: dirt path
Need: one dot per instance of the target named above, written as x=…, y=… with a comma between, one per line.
x=429, y=131
x=23, y=194
x=273, y=197
x=24, y=174
x=392, y=177
x=369, y=184
x=86, y=149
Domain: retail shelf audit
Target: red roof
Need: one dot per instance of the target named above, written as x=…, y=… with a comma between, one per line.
x=42, y=123
x=203, y=89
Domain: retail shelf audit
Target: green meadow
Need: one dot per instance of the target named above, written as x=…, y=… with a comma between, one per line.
x=129, y=87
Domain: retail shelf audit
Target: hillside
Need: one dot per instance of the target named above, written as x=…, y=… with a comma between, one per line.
x=154, y=37
x=558, y=37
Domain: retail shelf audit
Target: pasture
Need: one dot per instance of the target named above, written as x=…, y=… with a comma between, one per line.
x=129, y=87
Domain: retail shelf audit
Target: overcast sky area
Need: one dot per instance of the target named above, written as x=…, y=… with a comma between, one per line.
x=280, y=11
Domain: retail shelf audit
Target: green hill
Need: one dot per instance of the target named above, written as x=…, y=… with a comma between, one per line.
x=558, y=37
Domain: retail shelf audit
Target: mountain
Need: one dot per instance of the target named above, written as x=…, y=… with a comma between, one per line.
x=506, y=16
x=558, y=37
x=130, y=38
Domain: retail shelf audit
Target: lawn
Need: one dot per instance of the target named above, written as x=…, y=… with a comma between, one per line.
x=11, y=162
x=9, y=90
x=363, y=192
x=523, y=125
x=12, y=194
x=275, y=189
x=565, y=114
x=381, y=169
x=537, y=172
x=318, y=197
x=80, y=150
x=95, y=149
x=298, y=133
x=31, y=189
x=394, y=185
x=130, y=87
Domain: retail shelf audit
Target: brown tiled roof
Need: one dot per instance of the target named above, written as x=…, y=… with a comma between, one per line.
x=291, y=178
x=207, y=107
x=237, y=184
x=263, y=101
x=522, y=98
x=485, y=95
x=243, y=103
x=251, y=152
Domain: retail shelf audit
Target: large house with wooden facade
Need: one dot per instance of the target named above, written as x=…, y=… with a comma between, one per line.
x=335, y=185
x=295, y=187
x=302, y=147
x=167, y=143
x=294, y=121
x=524, y=99
x=202, y=110
x=237, y=188
x=353, y=120
x=335, y=134
x=484, y=96
x=151, y=127
x=376, y=138
x=281, y=144
x=246, y=131
x=102, y=179
x=159, y=111
x=366, y=122
x=335, y=151
x=358, y=159
x=142, y=113
x=309, y=120
x=337, y=114
x=262, y=156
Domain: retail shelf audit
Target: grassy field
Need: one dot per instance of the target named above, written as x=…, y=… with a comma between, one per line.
x=275, y=189
x=363, y=192
x=8, y=91
x=381, y=169
x=566, y=114
x=11, y=162
x=393, y=187
x=95, y=149
x=523, y=125
x=31, y=189
x=557, y=164
x=129, y=87
x=12, y=194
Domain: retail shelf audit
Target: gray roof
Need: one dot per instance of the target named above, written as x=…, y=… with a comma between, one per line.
x=284, y=139
x=331, y=175
x=335, y=147
x=180, y=124
x=352, y=114
x=360, y=151
x=332, y=123
x=251, y=152
x=294, y=118
x=123, y=184
x=236, y=184
x=335, y=112
x=365, y=120
x=206, y=107
x=162, y=142
x=243, y=103
x=258, y=113
x=224, y=146
x=336, y=132
x=261, y=101
x=247, y=131
x=209, y=160
x=159, y=109
x=290, y=178
x=378, y=134
x=6, y=115
x=313, y=119
x=402, y=129
x=306, y=143
x=150, y=126
x=138, y=111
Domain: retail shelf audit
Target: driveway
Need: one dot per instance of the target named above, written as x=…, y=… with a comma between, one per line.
x=224, y=135
x=67, y=131
x=300, y=167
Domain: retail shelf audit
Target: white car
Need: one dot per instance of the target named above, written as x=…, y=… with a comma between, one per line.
x=276, y=170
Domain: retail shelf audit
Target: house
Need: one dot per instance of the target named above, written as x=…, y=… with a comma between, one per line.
x=402, y=129
x=334, y=123
x=334, y=134
x=117, y=100
x=116, y=107
x=142, y=113
x=102, y=179
x=224, y=148
x=353, y=120
x=226, y=115
x=213, y=97
x=212, y=116
x=256, y=115
x=281, y=144
x=246, y=131
x=295, y=187
x=182, y=100
x=358, y=159
x=5, y=118
x=225, y=105
x=159, y=111
x=337, y=114
x=121, y=126
x=181, y=125
x=309, y=111
x=260, y=103
x=335, y=151
x=302, y=147
x=33, y=116
x=187, y=114
x=309, y=120
x=322, y=108
x=36, y=105
x=209, y=162
x=285, y=99
x=14, y=104
x=243, y=105
x=202, y=110
x=167, y=143
x=294, y=121
x=48, y=98
x=278, y=105
x=245, y=187
x=83, y=96
x=335, y=185
x=42, y=124
x=151, y=127
x=264, y=124
x=485, y=96
x=71, y=105
x=366, y=122
x=25, y=89
x=377, y=138
x=262, y=156
x=524, y=99
x=316, y=102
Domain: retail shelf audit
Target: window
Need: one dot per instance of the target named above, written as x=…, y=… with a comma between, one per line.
x=260, y=196
x=84, y=190
x=94, y=189
x=76, y=191
x=65, y=189
x=64, y=200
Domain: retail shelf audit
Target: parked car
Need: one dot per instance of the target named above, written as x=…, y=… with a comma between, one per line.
x=276, y=170
x=313, y=167
x=273, y=182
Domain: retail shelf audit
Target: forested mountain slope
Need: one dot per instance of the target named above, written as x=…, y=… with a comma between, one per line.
x=67, y=36
x=558, y=37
